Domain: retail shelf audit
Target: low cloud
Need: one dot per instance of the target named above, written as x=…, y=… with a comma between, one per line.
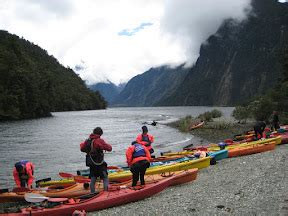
x=190, y=23
x=116, y=40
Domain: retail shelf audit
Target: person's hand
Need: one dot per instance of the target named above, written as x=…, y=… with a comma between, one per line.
x=148, y=144
x=29, y=187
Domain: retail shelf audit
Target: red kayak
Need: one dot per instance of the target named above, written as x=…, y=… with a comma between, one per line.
x=104, y=199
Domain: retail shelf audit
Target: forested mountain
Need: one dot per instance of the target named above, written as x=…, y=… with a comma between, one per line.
x=148, y=88
x=33, y=84
x=108, y=90
x=239, y=62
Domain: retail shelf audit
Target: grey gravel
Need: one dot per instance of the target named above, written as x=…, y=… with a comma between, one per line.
x=249, y=185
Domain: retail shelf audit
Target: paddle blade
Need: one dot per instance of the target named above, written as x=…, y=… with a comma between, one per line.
x=81, y=179
x=34, y=198
x=66, y=175
x=4, y=190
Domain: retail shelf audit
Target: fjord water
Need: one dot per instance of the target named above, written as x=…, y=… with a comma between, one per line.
x=52, y=144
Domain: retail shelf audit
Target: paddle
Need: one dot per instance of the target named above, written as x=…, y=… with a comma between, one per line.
x=81, y=179
x=42, y=180
x=4, y=190
x=34, y=198
x=66, y=175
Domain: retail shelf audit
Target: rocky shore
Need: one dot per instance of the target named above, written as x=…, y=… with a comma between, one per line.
x=249, y=185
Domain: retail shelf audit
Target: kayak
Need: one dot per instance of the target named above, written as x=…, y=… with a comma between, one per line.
x=79, y=189
x=104, y=199
x=196, y=163
x=192, y=127
x=258, y=148
x=126, y=175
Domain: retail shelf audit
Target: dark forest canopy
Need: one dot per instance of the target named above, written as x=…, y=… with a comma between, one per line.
x=33, y=84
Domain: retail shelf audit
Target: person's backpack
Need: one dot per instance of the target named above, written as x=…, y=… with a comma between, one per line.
x=87, y=145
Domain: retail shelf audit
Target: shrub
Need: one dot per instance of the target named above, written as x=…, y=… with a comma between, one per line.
x=241, y=113
x=216, y=113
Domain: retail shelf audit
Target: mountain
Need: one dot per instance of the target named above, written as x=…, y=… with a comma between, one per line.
x=239, y=62
x=148, y=88
x=108, y=90
x=34, y=84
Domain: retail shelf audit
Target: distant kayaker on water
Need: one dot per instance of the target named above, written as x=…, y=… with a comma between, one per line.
x=94, y=147
x=23, y=174
x=146, y=139
x=138, y=159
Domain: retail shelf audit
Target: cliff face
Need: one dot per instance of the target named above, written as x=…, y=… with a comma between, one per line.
x=148, y=88
x=240, y=61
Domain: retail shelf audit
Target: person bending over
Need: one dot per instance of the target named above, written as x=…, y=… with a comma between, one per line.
x=23, y=174
x=138, y=159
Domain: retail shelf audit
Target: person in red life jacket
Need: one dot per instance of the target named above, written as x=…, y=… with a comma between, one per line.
x=23, y=174
x=146, y=139
x=138, y=159
x=94, y=147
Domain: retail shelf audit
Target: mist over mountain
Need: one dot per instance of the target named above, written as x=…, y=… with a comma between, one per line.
x=238, y=62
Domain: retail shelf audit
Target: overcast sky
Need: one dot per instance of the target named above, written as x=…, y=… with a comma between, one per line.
x=118, y=39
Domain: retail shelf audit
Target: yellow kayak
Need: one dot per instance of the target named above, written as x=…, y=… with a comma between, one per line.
x=198, y=163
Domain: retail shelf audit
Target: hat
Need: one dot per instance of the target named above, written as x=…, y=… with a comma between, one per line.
x=144, y=129
x=134, y=142
x=98, y=130
x=19, y=167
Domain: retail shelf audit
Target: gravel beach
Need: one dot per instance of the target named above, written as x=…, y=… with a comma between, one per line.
x=249, y=185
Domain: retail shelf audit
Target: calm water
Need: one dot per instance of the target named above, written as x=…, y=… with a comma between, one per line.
x=52, y=144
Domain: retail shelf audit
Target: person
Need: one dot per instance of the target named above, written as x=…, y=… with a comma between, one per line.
x=146, y=139
x=275, y=121
x=138, y=159
x=154, y=123
x=99, y=166
x=259, y=127
x=23, y=173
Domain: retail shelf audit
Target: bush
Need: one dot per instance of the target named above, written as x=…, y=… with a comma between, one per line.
x=241, y=113
x=216, y=113
x=185, y=123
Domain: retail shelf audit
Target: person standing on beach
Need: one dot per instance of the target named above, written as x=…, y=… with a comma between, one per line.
x=146, y=139
x=259, y=127
x=94, y=147
x=275, y=121
x=138, y=159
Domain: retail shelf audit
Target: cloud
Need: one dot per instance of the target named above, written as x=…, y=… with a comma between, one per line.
x=190, y=23
x=116, y=40
x=127, y=32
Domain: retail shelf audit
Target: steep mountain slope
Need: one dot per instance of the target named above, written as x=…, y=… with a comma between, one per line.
x=108, y=90
x=33, y=84
x=148, y=88
x=239, y=61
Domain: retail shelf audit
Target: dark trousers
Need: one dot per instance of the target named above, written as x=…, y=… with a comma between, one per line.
x=138, y=169
x=258, y=131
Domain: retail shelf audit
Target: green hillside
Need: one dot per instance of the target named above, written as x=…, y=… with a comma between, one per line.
x=33, y=84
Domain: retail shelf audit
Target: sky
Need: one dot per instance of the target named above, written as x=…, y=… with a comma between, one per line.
x=116, y=40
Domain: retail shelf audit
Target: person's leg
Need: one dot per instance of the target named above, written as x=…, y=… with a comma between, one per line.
x=135, y=174
x=105, y=180
x=92, y=184
x=144, y=166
